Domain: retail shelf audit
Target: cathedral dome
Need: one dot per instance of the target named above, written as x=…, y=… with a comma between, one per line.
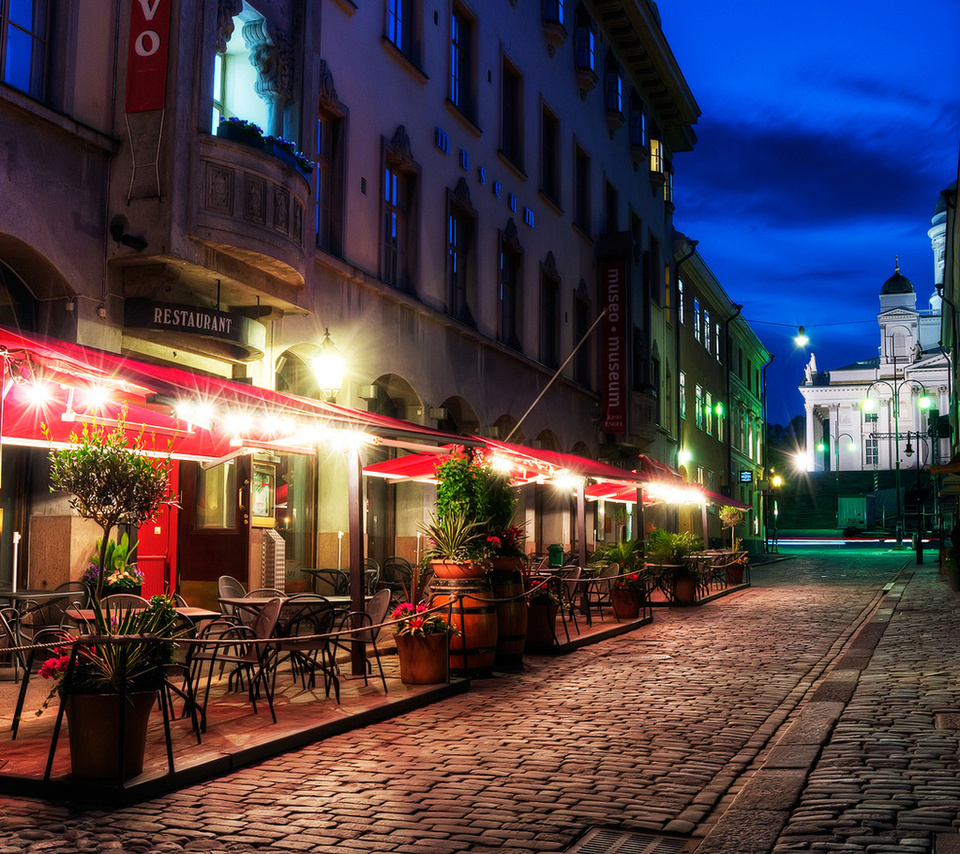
x=897, y=284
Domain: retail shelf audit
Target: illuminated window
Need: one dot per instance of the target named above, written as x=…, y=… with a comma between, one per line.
x=683, y=394
x=696, y=319
x=23, y=44
x=871, y=451
x=698, y=402
x=461, y=255
x=235, y=80
x=399, y=235
x=403, y=27
x=706, y=330
x=680, y=299
x=708, y=414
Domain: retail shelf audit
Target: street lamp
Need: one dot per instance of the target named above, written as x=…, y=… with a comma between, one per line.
x=329, y=367
x=869, y=405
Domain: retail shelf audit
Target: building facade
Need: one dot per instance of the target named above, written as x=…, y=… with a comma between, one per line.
x=470, y=198
x=720, y=397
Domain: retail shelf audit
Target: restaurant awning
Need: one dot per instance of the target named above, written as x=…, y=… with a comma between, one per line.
x=52, y=387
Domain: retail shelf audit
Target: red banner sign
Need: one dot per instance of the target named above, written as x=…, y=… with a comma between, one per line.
x=147, y=55
x=613, y=289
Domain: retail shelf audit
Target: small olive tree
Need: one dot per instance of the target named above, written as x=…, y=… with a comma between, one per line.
x=113, y=480
x=730, y=517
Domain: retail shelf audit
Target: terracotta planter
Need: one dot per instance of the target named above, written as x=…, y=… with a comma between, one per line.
x=734, y=574
x=449, y=570
x=424, y=660
x=541, y=624
x=626, y=603
x=507, y=588
x=684, y=589
x=94, y=724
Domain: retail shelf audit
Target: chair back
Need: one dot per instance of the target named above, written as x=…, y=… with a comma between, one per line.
x=230, y=587
x=371, y=578
x=75, y=589
x=264, y=591
x=607, y=574
x=370, y=563
x=376, y=610
x=124, y=600
x=570, y=576
x=10, y=637
x=397, y=574
x=303, y=617
x=266, y=619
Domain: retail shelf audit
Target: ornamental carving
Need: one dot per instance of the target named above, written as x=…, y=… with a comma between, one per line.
x=281, y=210
x=255, y=199
x=399, y=152
x=328, y=91
x=298, y=223
x=510, y=235
x=227, y=10
x=219, y=195
x=272, y=56
x=550, y=266
x=461, y=195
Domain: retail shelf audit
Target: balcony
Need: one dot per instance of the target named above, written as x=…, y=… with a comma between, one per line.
x=251, y=205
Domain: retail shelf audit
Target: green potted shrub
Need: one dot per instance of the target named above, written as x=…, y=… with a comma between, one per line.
x=543, y=606
x=122, y=671
x=672, y=565
x=121, y=575
x=241, y=130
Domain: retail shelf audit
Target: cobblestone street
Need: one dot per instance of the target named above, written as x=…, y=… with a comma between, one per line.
x=702, y=726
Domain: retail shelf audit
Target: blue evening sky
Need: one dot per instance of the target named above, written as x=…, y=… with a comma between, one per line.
x=828, y=130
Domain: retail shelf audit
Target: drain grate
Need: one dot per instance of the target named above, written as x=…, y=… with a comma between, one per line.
x=620, y=842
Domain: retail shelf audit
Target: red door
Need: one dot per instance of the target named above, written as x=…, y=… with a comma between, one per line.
x=156, y=554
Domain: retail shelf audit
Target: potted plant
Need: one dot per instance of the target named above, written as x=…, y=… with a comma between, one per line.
x=673, y=568
x=241, y=130
x=108, y=684
x=730, y=517
x=627, y=595
x=121, y=575
x=542, y=608
x=112, y=480
x=423, y=644
x=456, y=546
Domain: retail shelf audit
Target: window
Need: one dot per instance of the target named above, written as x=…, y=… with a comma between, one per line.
x=328, y=170
x=461, y=255
x=463, y=86
x=216, y=496
x=549, y=313
x=698, y=400
x=585, y=48
x=720, y=421
x=510, y=266
x=553, y=11
x=708, y=414
x=581, y=323
x=403, y=27
x=656, y=155
x=683, y=394
x=23, y=44
x=696, y=320
x=613, y=86
x=511, y=113
x=706, y=330
x=871, y=451
x=638, y=121
x=550, y=155
x=680, y=299
x=716, y=338
x=236, y=77
x=655, y=382
x=667, y=394
x=399, y=203
x=611, y=206
x=581, y=178
x=656, y=268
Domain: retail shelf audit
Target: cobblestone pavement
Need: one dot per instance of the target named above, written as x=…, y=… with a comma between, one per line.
x=704, y=724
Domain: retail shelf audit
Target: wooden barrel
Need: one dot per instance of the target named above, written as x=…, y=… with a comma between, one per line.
x=507, y=588
x=474, y=614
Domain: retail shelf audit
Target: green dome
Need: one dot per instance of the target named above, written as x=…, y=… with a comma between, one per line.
x=897, y=284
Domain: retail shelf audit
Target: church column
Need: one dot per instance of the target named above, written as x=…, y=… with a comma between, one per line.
x=811, y=444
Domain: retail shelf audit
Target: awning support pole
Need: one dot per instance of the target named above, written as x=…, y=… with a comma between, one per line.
x=355, y=539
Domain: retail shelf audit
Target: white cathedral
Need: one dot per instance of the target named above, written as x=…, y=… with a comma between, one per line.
x=877, y=414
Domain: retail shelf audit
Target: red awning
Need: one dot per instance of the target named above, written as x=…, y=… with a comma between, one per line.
x=725, y=500
x=85, y=385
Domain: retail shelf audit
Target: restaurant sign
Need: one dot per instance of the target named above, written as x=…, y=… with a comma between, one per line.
x=614, y=346
x=197, y=321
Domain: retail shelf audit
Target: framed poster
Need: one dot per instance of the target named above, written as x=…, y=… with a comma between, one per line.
x=263, y=492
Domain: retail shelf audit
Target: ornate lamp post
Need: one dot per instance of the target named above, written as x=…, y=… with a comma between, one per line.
x=868, y=405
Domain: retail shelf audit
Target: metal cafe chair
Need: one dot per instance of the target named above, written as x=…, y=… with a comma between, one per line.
x=304, y=629
x=365, y=629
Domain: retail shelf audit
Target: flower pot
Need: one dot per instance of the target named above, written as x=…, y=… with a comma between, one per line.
x=541, y=624
x=424, y=660
x=507, y=587
x=449, y=570
x=626, y=603
x=246, y=136
x=734, y=574
x=94, y=724
x=474, y=614
x=684, y=589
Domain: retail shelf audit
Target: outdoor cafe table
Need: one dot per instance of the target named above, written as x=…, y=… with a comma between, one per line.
x=255, y=603
x=190, y=612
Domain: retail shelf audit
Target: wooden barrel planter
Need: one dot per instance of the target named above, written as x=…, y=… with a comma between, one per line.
x=507, y=587
x=474, y=614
